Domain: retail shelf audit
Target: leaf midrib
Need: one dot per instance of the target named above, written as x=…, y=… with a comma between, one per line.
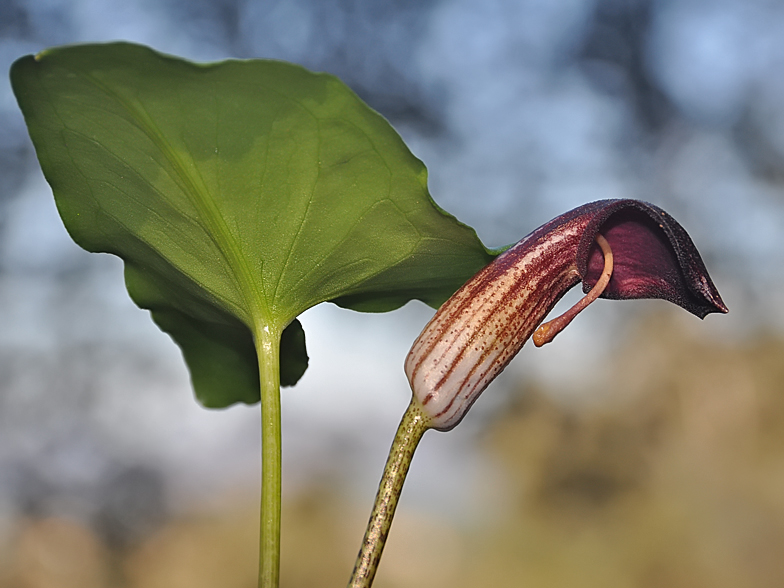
x=218, y=231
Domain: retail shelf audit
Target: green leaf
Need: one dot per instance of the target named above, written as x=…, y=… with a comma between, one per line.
x=239, y=194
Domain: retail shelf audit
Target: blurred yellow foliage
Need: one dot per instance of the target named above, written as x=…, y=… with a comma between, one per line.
x=674, y=480
x=677, y=480
x=58, y=552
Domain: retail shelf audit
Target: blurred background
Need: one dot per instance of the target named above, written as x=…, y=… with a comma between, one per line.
x=644, y=448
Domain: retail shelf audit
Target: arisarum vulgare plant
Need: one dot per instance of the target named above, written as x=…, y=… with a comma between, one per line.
x=618, y=249
x=241, y=193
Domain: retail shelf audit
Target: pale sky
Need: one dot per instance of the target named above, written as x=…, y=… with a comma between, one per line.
x=520, y=109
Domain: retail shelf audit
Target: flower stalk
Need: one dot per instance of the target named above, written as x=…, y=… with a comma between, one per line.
x=412, y=426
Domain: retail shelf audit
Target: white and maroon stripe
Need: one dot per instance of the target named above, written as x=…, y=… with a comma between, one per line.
x=478, y=331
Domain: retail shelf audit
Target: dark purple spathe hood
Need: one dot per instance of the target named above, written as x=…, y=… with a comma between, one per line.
x=654, y=255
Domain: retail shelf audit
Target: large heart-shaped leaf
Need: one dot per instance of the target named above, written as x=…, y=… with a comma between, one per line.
x=239, y=194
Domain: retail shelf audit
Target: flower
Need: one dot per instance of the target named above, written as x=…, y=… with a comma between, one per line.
x=619, y=249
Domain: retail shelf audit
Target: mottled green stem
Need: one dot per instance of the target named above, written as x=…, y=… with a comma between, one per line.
x=268, y=351
x=412, y=427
